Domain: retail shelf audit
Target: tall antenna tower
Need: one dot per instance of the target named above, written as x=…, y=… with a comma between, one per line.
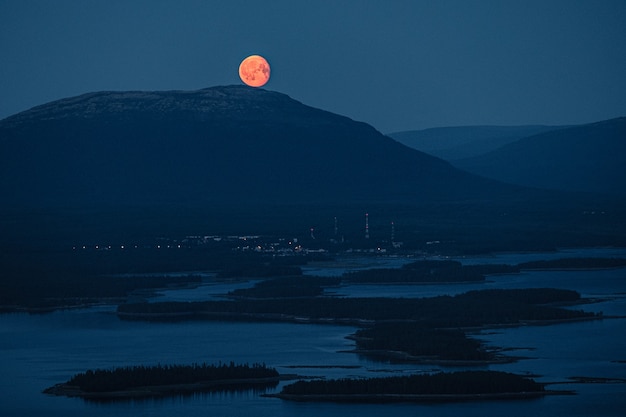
x=336, y=228
x=367, y=226
x=393, y=232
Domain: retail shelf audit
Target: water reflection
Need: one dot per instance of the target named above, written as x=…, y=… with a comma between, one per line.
x=222, y=392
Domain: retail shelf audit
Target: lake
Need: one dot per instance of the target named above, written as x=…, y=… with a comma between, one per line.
x=37, y=351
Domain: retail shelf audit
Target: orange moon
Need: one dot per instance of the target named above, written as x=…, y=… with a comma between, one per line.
x=254, y=71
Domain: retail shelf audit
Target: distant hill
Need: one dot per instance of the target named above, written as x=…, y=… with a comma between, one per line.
x=216, y=145
x=589, y=158
x=451, y=143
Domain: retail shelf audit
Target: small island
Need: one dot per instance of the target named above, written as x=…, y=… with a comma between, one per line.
x=567, y=264
x=438, y=387
x=477, y=309
x=410, y=342
x=287, y=287
x=428, y=272
x=163, y=380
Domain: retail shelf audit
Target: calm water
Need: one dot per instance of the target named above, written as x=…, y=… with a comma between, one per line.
x=37, y=351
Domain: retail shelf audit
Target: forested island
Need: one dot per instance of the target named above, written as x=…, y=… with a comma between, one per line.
x=287, y=287
x=133, y=382
x=162, y=380
x=81, y=289
x=471, y=309
x=44, y=281
x=427, y=272
x=447, y=271
x=412, y=342
x=456, y=386
x=574, y=263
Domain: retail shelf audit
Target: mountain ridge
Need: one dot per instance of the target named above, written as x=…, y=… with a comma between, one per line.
x=459, y=142
x=583, y=158
x=201, y=104
x=225, y=143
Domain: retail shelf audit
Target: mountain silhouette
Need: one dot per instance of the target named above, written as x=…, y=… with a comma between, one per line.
x=215, y=145
x=588, y=158
x=460, y=142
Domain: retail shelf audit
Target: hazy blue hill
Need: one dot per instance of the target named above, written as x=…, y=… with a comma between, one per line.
x=459, y=142
x=588, y=158
x=216, y=145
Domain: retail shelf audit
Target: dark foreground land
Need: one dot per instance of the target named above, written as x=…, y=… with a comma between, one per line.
x=156, y=381
x=439, y=387
x=472, y=309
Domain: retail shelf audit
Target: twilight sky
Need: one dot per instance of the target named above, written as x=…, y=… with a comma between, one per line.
x=398, y=65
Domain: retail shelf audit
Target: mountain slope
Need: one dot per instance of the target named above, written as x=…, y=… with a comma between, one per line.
x=216, y=145
x=460, y=142
x=588, y=158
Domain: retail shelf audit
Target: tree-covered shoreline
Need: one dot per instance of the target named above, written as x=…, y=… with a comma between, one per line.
x=159, y=380
x=410, y=342
x=574, y=263
x=428, y=272
x=455, y=386
x=471, y=309
x=287, y=287
x=425, y=330
x=448, y=271
x=109, y=276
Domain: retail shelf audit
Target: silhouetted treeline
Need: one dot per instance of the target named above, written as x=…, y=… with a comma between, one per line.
x=53, y=289
x=47, y=279
x=259, y=270
x=475, y=308
x=460, y=383
x=574, y=263
x=535, y=296
x=301, y=286
x=120, y=379
x=429, y=271
x=394, y=341
x=416, y=340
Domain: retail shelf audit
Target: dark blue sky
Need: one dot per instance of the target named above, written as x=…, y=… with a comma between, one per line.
x=397, y=65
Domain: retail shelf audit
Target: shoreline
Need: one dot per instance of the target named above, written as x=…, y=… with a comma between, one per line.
x=86, y=302
x=97, y=302
x=286, y=318
x=216, y=315
x=416, y=398
x=65, y=390
x=403, y=357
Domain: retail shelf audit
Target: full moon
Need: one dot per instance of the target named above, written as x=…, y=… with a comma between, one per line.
x=254, y=71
